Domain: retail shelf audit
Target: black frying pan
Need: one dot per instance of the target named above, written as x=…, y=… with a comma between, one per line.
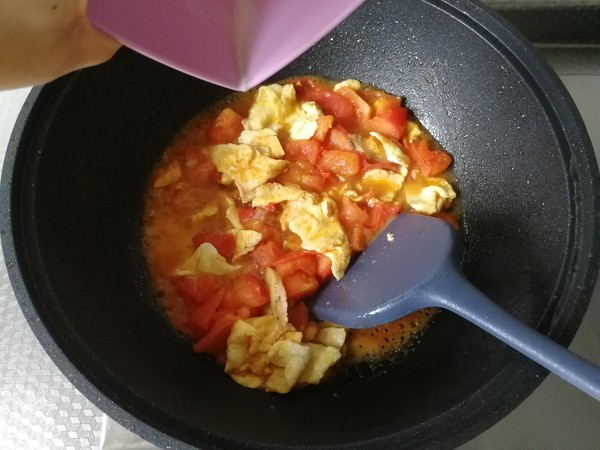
x=72, y=197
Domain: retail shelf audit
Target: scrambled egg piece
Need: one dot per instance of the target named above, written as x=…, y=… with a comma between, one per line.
x=304, y=125
x=262, y=353
x=347, y=189
x=254, y=159
x=272, y=106
x=245, y=166
x=427, y=195
x=385, y=184
x=413, y=131
x=277, y=296
x=233, y=216
x=377, y=147
x=265, y=141
x=392, y=151
x=277, y=109
x=170, y=176
x=331, y=336
x=316, y=224
x=276, y=193
x=245, y=241
x=206, y=259
x=209, y=210
x=212, y=208
x=322, y=357
x=355, y=85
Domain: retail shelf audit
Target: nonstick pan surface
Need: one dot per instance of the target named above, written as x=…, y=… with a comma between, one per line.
x=72, y=197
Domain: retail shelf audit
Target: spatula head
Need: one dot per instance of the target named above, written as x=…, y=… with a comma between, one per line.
x=386, y=281
x=233, y=43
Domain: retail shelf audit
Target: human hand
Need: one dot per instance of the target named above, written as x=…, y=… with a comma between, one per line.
x=41, y=40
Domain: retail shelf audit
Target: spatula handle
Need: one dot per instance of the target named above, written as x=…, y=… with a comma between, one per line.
x=474, y=306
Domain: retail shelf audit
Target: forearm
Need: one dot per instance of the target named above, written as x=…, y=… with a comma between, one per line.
x=41, y=40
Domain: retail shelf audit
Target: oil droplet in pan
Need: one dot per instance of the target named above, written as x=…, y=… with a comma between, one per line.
x=375, y=344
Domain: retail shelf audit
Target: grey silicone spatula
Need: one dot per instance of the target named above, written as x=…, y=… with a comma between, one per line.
x=233, y=43
x=413, y=264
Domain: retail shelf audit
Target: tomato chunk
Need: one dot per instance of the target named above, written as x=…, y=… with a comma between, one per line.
x=301, y=272
x=397, y=115
x=432, y=162
x=304, y=175
x=225, y=128
x=299, y=285
x=390, y=123
x=307, y=150
x=246, y=213
x=247, y=290
x=266, y=254
x=215, y=341
x=298, y=316
x=389, y=117
x=197, y=289
x=323, y=267
x=186, y=288
x=381, y=100
x=363, y=109
x=380, y=214
x=300, y=260
x=343, y=163
x=201, y=316
x=359, y=237
x=350, y=214
x=332, y=104
x=354, y=219
x=203, y=294
x=324, y=124
x=338, y=138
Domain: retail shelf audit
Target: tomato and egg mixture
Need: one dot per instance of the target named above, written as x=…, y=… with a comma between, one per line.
x=260, y=201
